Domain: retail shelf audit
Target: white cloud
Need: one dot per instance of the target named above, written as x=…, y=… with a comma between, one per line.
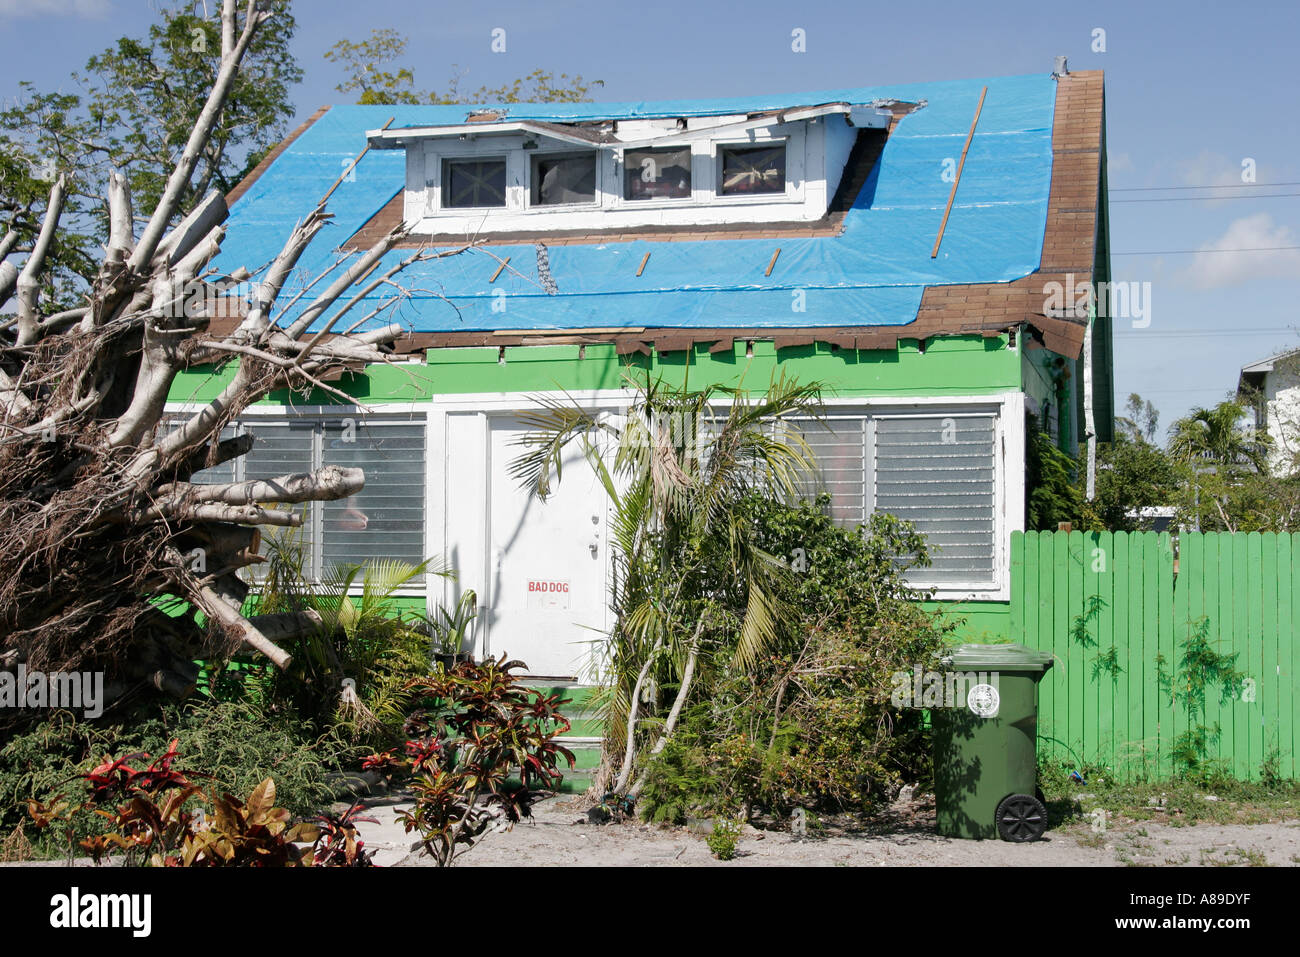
x=87, y=9
x=1210, y=169
x=1211, y=270
x=1119, y=163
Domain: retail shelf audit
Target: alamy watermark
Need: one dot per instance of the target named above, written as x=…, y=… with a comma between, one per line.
x=1117, y=300
x=68, y=690
x=919, y=688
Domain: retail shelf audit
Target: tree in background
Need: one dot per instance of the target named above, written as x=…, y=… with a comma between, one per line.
x=141, y=99
x=374, y=74
x=1141, y=422
x=1133, y=473
x=1226, y=482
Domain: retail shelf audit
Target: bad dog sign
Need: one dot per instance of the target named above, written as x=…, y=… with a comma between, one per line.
x=548, y=593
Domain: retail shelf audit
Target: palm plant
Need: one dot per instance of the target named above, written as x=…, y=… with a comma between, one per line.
x=450, y=627
x=1219, y=454
x=691, y=584
x=1215, y=437
x=351, y=668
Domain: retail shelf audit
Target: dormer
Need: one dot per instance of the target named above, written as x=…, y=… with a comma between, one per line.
x=498, y=174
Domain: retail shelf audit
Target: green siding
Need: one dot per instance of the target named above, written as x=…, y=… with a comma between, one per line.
x=956, y=365
x=401, y=382
x=976, y=621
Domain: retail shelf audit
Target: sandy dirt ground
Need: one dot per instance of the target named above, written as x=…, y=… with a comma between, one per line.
x=560, y=835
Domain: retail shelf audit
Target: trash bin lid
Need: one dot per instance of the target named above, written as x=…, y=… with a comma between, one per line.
x=1008, y=657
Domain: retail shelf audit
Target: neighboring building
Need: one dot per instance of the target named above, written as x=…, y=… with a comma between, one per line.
x=719, y=241
x=1272, y=389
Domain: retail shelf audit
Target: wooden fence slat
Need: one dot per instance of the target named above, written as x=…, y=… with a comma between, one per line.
x=1214, y=601
x=1287, y=619
x=1018, y=595
x=1101, y=562
x=1144, y=626
x=1262, y=712
x=1241, y=603
x=1048, y=636
x=1067, y=721
x=1128, y=593
x=1191, y=569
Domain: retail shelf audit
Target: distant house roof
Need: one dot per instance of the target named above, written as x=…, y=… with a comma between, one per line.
x=1252, y=376
x=1026, y=213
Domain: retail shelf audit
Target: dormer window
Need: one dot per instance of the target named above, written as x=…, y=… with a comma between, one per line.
x=752, y=170
x=473, y=182
x=563, y=178
x=657, y=174
x=493, y=173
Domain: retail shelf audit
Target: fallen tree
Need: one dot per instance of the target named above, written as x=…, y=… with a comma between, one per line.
x=100, y=521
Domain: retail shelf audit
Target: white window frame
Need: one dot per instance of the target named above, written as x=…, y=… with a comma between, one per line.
x=598, y=194
x=1008, y=410
x=446, y=160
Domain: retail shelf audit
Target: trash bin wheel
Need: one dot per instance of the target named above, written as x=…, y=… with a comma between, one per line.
x=1021, y=818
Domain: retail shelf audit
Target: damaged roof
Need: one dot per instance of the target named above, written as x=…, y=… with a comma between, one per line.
x=1025, y=213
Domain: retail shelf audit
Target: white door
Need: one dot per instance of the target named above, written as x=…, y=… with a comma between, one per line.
x=547, y=560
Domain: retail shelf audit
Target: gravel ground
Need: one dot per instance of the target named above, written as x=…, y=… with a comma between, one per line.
x=559, y=835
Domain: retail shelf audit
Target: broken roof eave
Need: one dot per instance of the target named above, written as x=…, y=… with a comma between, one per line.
x=866, y=116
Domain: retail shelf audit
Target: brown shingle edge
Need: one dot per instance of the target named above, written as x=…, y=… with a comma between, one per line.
x=247, y=182
x=719, y=340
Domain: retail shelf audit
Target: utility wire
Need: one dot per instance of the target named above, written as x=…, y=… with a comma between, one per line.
x=1202, y=333
x=1188, y=252
x=1152, y=189
x=1206, y=199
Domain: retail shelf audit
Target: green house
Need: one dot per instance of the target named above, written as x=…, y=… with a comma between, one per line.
x=924, y=251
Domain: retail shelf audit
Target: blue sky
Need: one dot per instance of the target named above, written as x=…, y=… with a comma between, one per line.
x=1192, y=91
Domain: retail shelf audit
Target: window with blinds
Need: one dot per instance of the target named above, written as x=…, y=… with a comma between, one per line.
x=937, y=471
x=384, y=520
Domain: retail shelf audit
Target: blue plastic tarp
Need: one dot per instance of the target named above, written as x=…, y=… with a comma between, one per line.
x=872, y=274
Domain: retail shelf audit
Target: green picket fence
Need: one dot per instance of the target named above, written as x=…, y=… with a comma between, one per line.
x=1115, y=609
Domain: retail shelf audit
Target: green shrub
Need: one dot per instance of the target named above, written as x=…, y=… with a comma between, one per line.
x=236, y=743
x=681, y=782
x=724, y=837
x=810, y=724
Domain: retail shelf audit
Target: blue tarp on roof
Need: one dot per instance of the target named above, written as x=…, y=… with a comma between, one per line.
x=872, y=274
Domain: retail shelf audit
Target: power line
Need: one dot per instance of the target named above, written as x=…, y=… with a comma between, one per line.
x=1188, y=252
x=1206, y=199
x=1208, y=388
x=1152, y=189
x=1201, y=333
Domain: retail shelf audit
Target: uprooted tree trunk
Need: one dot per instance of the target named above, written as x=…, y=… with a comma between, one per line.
x=98, y=516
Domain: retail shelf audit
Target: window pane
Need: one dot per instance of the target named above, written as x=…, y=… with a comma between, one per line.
x=282, y=448
x=564, y=179
x=657, y=174
x=840, y=449
x=473, y=183
x=938, y=473
x=748, y=170
x=386, y=518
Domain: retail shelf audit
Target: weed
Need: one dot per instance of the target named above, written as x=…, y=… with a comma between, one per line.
x=724, y=838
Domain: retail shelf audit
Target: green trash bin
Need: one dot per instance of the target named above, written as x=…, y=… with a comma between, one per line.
x=985, y=743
